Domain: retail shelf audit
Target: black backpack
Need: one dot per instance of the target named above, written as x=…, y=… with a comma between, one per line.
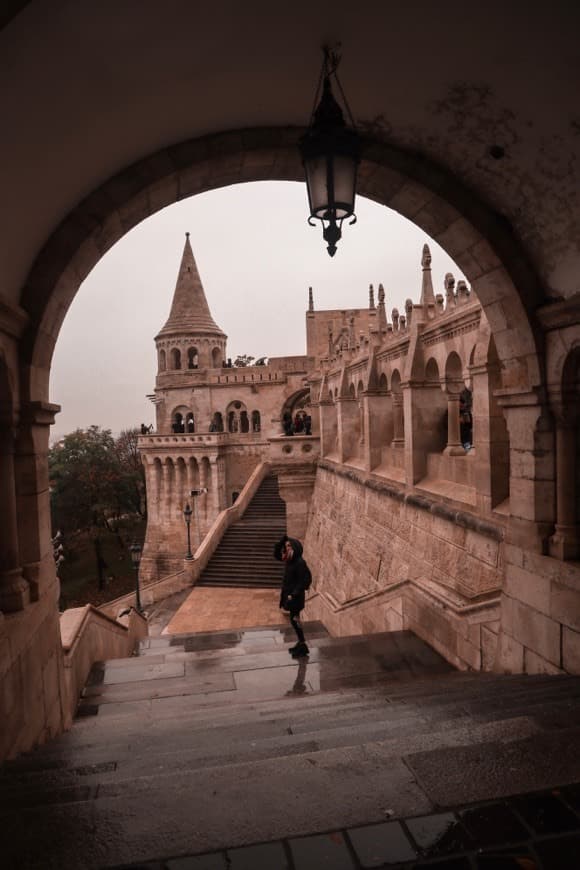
x=307, y=577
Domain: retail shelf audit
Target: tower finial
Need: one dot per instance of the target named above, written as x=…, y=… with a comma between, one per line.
x=371, y=297
x=187, y=235
x=427, y=294
x=310, y=300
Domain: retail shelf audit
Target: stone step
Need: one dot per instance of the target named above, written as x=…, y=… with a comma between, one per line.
x=243, y=558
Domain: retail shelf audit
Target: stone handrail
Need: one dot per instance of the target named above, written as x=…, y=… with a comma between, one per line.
x=88, y=635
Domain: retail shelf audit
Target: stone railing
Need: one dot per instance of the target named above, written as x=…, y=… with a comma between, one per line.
x=88, y=635
x=294, y=448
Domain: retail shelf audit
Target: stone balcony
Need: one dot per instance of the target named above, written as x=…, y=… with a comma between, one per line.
x=294, y=449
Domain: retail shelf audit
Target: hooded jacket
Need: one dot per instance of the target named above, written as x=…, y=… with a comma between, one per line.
x=296, y=576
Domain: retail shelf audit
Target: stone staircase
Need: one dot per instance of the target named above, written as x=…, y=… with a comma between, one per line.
x=218, y=740
x=244, y=555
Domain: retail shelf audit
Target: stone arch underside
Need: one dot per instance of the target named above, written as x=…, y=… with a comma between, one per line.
x=481, y=242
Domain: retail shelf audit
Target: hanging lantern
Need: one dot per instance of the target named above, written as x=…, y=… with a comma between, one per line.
x=330, y=152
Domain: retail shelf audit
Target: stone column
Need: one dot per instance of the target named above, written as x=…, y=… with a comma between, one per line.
x=328, y=422
x=165, y=500
x=532, y=486
x=490, y=439
x=374, y=404
x=398, y=421
x=192, y=477
x=33, y=497
x=348, y=425
x=565, y=543
x=14, y=589
x=454, y=447
x=296, y=484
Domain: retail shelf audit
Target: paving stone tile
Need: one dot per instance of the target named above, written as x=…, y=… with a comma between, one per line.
x=144, y=672
x=263, y=857
x=381, y=845
x=559, y=853
x=571, y=794
x=545, y=814
x=440, y=834
x=216, y=861
x=493, y=824
x=321, y=852
x=447, y=864
x=510, y=858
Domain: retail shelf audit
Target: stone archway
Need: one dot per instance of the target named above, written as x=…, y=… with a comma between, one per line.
x=478, y=240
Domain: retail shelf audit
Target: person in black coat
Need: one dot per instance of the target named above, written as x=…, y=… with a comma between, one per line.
x=297, y=579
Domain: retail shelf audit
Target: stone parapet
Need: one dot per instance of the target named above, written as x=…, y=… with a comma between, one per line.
x=385, y=557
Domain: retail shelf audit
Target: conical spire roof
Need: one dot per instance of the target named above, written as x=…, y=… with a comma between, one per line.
x=189, y=310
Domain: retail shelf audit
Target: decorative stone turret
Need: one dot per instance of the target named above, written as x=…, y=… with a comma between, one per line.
x=449, y=284
x=191, y=338
x=381, y=312
x=427, y=294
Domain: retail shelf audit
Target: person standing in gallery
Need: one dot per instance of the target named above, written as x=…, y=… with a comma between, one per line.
x=297, y=579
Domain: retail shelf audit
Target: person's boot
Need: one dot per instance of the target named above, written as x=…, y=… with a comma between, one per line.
x=292, y=649
x=300, y=650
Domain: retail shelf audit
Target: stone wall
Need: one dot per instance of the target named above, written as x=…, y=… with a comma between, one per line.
x=33, y=701
x=383, y=559
x=540, y=614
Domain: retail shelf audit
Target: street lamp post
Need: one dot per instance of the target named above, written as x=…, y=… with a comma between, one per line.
x=135, y=550
x=187, y=512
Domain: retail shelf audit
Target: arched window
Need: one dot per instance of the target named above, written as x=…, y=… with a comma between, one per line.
x=178, y=425
x=256, y=425
x=217, y=423
x=175, y=358
x=216, y=357
x=192, y=358
x=237, y=417
x=162, y=361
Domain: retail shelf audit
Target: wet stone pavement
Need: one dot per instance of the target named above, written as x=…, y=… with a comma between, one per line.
x=219, y=750
x=539, y=831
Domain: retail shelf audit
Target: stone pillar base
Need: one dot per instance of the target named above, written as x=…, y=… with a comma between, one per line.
x=296, y=488
x=14, y=591
x=454, y=450
x=565, y=543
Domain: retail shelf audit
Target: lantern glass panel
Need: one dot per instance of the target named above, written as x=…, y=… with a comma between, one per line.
x=344, y=185
x=317, y=188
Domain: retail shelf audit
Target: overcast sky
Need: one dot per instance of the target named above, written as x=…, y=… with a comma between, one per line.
x=257, y=256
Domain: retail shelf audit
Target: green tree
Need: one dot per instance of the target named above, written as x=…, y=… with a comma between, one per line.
x=94, y=478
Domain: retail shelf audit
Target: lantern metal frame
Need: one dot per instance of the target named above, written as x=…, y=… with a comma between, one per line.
x=330, y=146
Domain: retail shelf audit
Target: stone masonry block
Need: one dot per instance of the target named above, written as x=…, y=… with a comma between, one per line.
x=536, y=632
x=510, y=657
x=468, y=653
x=535, y=664
x=570, y=651
x=565, y=606
x=482, y=548
x=489, y=641
x=531, y=589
